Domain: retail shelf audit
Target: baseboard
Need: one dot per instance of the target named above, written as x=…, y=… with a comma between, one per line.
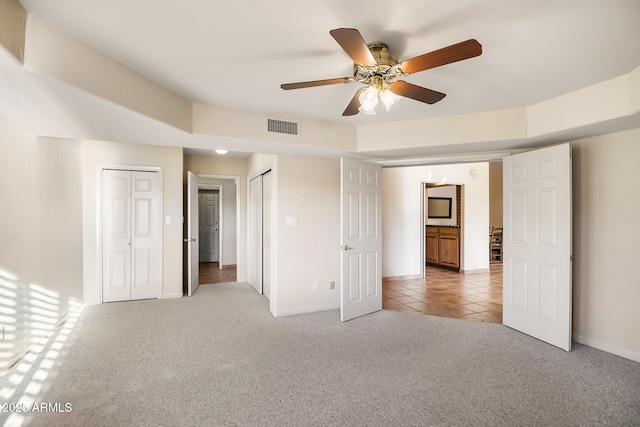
x=396, y=278
x=173, y=295
x=224, y=266
x=607, y=347
x=477, y=271
x=305, y=310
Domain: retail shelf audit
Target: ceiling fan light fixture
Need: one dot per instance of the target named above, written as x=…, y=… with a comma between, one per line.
x=368, y=100
x=389, y=99
x=221, y=151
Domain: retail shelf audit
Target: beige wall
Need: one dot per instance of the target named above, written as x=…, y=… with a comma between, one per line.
x=13, y=19
x=40, y=233
x=170, y=159
x=308, y=189
x=495, y=194
x=606, y=239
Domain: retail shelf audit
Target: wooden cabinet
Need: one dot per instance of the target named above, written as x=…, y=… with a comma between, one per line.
x=442, y=246
x=431, y=246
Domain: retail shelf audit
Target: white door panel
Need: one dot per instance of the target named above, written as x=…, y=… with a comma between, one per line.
x=191, y=240
x=116, y=235
x=145, y=236
x=209, y=214
x=537, y=244
x=361, y=268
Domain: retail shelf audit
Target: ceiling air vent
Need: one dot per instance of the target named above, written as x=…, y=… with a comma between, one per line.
x=280, y=126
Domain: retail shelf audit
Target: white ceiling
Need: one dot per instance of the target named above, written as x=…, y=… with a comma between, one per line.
x=237, y=53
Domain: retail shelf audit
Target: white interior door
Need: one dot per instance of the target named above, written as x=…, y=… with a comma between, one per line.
x=131, y=235
x=116, y=235
x=192, y=233
x=266, y=234
x=209, y=224
x=146, y=257
x=537, y=244
x=255, y=233
x=361, y=228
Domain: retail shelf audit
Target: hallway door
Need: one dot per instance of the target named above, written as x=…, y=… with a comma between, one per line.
x=209, y=225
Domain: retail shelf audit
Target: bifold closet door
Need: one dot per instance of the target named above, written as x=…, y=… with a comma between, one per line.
x=266, y=234
x=131, y=245
x=255, y=233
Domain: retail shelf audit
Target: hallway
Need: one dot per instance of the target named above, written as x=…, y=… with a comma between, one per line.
x=210, y=273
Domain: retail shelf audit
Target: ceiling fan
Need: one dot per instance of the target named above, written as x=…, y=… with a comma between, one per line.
x=380, y=71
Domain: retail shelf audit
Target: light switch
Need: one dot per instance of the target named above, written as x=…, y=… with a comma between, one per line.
x=167, y=219
x=291, y=220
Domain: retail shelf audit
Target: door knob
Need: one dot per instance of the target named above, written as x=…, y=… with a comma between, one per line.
x=347, y=247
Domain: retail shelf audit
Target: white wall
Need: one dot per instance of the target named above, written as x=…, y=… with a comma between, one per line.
x=402, y=233
x=308, y=189
x=606, y=239
x=96, y=153
x=40, y=235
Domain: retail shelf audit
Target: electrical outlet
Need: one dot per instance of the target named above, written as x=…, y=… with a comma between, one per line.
x=315, y=287
x=332, y=284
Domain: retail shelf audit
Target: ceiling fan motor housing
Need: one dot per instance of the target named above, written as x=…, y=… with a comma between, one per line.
x=378, y=74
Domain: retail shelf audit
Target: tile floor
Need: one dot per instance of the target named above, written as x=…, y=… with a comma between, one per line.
x=448, y=294
x=210, y=273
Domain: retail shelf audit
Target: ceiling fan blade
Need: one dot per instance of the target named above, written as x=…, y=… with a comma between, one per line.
x=446, y=55
x=300, y=85
x=352, y=42
x=352, y=108
x=418, y=93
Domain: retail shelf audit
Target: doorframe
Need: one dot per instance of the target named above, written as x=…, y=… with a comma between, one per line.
x=99, y=169
x=236, y=180
x=219, y=189
x=423, y=249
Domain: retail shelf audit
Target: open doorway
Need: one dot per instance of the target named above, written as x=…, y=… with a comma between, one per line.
x=443, y=290
x=217, y=229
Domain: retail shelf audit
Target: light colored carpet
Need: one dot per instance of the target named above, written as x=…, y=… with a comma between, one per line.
x=220, y=359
